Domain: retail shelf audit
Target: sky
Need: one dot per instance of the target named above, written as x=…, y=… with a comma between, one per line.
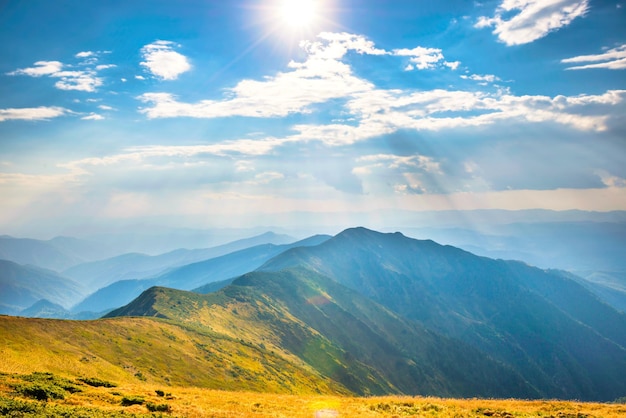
x=249, y=112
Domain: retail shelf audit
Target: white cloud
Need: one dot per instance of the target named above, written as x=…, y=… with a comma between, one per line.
x=372, y=112
x=105, y=107
x=79, y=77
x=40, y=68
x=612, y=59
x=421, y=58
x=318, y=79
x=32, y=113
x=163, y=62
x=519, y=22
x=77, y=80
x=85, y=54
x=105, y=66
x=93, y=116
x=321, y=77
x=397, y=161
x=482, y=79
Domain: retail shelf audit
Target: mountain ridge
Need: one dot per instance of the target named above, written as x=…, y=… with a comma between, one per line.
x=484, y=302
x=342, y=335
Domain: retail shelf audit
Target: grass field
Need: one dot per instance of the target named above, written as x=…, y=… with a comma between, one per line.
x=50, y=395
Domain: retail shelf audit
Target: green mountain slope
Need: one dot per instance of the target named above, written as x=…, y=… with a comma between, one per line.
x=341, y=334
x=151, y=350
x=551, y=330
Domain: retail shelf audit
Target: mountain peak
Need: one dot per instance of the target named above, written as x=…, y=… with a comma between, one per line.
x=361, y=231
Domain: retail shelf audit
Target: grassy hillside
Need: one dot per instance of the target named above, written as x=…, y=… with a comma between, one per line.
x=341, y=334
x=90, y=397
x=151, y=350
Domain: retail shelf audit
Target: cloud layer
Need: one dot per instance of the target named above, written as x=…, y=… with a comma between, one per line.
x=611, y=59
x=518, y=22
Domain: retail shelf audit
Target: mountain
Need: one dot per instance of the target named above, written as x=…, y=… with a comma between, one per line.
x=132, y=266
x=580, y=245
x=339, y=333
x=190, y=276
x=45, y=309
x=556, y=334
x=131, y=351
x=609, y=286
x=36, y=252
x=22, y=286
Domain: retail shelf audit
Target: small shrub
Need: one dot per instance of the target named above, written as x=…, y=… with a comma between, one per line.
x=132, y=400
x=160, y=392
x=163, y=407
x=95, y=382
x=39, y=391
x=15, y=407
x=49, y=379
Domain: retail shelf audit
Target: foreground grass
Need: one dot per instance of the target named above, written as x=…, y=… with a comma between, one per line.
x=48, y=395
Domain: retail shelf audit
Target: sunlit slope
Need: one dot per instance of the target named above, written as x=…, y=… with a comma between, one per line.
x=341, y=334
x=551, y=330
x=135, y=350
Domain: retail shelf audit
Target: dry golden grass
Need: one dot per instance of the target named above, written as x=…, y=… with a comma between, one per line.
x=198, y=402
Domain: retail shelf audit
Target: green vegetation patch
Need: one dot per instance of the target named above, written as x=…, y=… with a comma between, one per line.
x=132, y=400
x=31, y=409
x=162, y=407
x=95, y=382
x=45, y=386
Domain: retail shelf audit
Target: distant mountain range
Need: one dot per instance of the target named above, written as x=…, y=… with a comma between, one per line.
x=24, y=282
x=22, y=286
x=371, y=313
x=190, y=276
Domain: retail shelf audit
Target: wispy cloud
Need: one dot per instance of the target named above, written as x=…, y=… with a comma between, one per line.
x=612, y=59
x=322, y=76
x=93, y=116
x=326, y=74
x=163, y=62
x=482, y=79
x=80, y=77
x=33, y=113
x=420, y=57
x=519, y=22
x=40, y=68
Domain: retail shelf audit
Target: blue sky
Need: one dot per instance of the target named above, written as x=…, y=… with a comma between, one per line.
x=240, y=113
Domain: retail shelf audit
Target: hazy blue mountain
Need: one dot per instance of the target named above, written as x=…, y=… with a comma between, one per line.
x=341, y=334
x=190, y=276
x=22, y=286
x=36, y=252
x=554, y=332
x=609, y=286
x=155, y=239
x=596, y=246
x=132, y=266
x=45, y=309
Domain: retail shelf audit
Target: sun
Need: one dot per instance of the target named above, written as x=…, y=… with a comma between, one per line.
x=298, y=14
